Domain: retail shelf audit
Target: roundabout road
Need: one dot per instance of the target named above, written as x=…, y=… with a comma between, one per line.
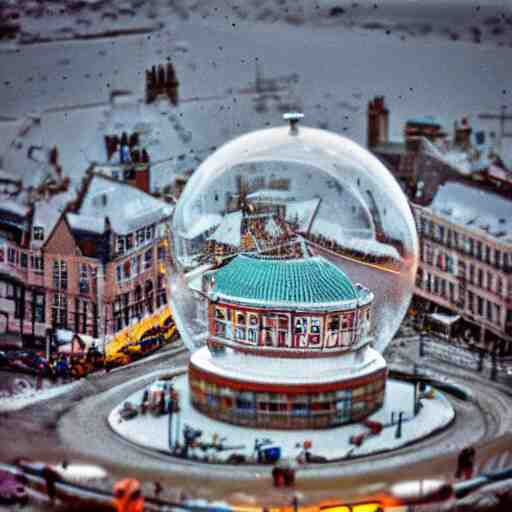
x=75, y=426
x=85, y=431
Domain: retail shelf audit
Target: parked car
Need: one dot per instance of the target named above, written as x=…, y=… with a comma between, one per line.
x=27, y=362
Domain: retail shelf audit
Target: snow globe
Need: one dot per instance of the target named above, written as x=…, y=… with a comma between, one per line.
x=295, y=189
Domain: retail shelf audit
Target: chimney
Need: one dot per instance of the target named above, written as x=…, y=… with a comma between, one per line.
x=462, y=135
x=378, y=122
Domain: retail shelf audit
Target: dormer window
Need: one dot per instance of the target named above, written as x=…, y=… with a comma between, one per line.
x=38, y=233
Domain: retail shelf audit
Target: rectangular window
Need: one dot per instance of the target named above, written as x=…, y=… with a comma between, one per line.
x=148, y=259
x=471, y=302
x=119, y=273
x=480, y=280
x=60, y=311
x=84, y=279
x=140, y=237
x=480, y=306
x=479, y=250
x=126, y=308
x=161, y=296
x=135, y=266
x=60, y=275
x=36, y=263
x=127, y=269
x=499, y=286
x=120, y=245
x=24, y=260
x=38, y=233
x=488, y=254
x=161, y=253
x=497, y=258
x=11, y=255
x=39, y=313
x=118, y=320
x=497, y=311
x=489, y=280
x=129, y=241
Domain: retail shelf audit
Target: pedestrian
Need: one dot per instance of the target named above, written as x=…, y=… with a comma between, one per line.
x=158, y=489
x=465, y=463
x=128, y=496
x=50, y=477
x=39, y=380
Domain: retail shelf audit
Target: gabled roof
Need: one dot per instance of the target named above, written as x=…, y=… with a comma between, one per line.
x=301, y=282
x=228, y=231
x=126, y=207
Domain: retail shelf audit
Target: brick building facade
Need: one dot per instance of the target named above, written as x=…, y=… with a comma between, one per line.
x=99, y=268
x=463, y=222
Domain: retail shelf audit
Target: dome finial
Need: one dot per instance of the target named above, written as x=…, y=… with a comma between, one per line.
x=293, y=118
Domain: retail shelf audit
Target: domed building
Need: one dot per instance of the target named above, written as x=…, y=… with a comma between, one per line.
x=289, y=346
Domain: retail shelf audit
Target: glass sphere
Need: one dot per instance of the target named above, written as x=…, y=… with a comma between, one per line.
x=324, y=191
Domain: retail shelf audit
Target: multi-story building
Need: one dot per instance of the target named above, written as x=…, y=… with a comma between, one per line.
x=93, y=266
x=463, y=222
x=466, y=262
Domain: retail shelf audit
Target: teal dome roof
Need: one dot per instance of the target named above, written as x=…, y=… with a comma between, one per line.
x=308, y=281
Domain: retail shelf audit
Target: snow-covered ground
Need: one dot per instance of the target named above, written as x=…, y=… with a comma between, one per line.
x=31, y=396
x=153, y=432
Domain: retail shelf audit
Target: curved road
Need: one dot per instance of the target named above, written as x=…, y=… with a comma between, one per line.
x=75, y=426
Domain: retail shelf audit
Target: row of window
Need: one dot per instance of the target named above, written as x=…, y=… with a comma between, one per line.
x=84, y=317
x=28, y=304
x=447, y=290
x=474, y=274
x=275, y=330
x=125, y=243
x=128, y=307
x=134, y=266
x=341, y=404
x=16, y=258
x=464, y=243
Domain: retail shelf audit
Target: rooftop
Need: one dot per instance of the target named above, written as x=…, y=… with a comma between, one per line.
x=292, y=282
x=478, y=210
x=424, y=120
x=126, y=207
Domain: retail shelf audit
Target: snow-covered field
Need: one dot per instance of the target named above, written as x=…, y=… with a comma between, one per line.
x=152, y=432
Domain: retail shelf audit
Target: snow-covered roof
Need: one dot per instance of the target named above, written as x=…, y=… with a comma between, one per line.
x=228, y=231
x=5, y=175
x=424, y=120
x=350, y=240
x=302, y=211
x=270, y=195
x=205, y=223
x=317, y=370
x=11, y=206
x=47, y=212
x=444, y=319
x=86, y=223
x=126, y=207
x=476, y=209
